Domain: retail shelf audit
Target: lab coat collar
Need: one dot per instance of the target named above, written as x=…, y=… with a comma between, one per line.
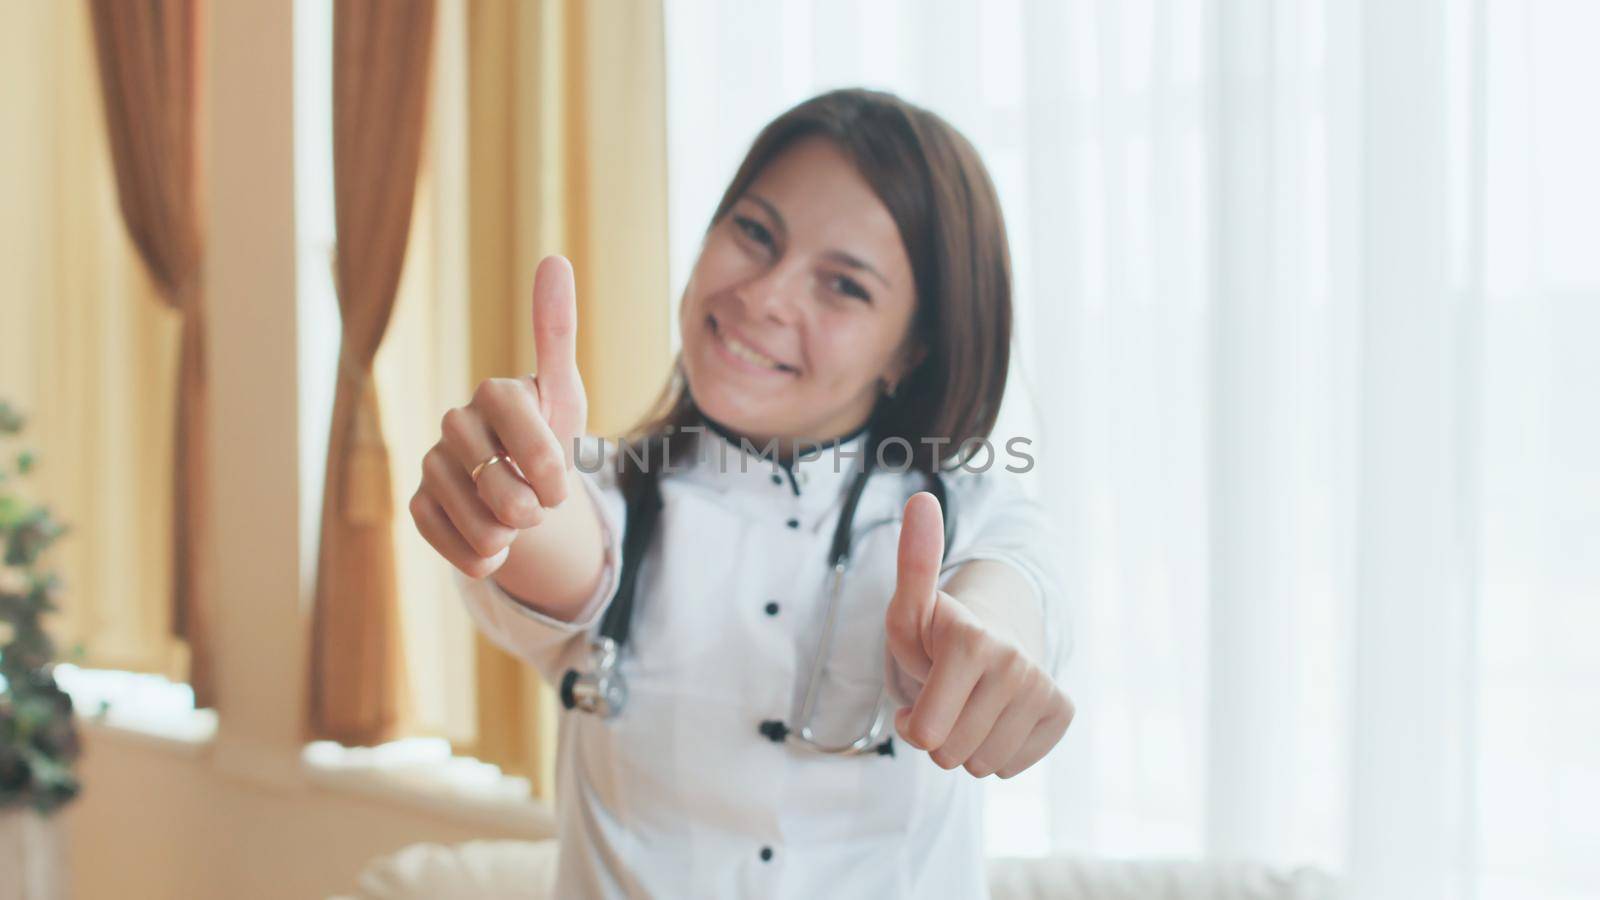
x=819, y=474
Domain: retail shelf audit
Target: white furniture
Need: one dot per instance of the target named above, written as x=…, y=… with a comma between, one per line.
x=481, y=870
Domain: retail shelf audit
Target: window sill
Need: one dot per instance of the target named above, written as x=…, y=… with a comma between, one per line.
x=417, y=774
x=144, y=708
x=421, y=773
x=192, y=737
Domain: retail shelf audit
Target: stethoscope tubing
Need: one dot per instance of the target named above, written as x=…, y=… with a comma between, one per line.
x=603, y=690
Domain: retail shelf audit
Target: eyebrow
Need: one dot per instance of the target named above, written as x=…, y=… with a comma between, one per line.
x=840, y=256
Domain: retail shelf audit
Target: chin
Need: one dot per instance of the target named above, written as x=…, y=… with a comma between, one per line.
x=733, y=404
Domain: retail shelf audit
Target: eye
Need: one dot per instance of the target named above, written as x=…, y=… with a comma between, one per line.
x=848, y=286
x=753, y=230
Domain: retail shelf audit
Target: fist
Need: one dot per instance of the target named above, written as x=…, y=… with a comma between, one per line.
x=532, y=420
x=983, y=704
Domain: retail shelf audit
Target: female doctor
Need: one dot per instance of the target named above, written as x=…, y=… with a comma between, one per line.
x=814, y=667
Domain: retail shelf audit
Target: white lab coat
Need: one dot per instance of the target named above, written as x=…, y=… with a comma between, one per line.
x=680, y=795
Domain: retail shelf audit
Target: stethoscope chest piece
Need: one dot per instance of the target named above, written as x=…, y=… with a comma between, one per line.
x=601, y=690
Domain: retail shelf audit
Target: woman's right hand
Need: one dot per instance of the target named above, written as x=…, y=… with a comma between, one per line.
x=532, y=420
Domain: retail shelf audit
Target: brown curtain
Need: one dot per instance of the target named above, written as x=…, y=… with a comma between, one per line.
x=381, y=54
x=148, y=57
x=567, y=140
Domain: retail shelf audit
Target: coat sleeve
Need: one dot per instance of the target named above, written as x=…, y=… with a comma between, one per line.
x=995, y=519
x=552, y=645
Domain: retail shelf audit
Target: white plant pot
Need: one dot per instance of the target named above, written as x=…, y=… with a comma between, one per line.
x=32, y=856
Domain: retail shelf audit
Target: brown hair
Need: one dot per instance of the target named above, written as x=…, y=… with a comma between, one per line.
x=941, y=199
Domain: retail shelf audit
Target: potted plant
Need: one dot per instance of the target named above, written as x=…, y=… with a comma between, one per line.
x=38, y=735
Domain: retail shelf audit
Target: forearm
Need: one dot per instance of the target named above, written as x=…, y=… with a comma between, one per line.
x=1004, y=600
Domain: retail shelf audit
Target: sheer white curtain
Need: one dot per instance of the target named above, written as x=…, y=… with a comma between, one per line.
x=1308, y=300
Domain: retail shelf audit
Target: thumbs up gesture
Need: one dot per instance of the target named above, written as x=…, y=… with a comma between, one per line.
x=562, y=401
x=504, y=458
x=983, y=704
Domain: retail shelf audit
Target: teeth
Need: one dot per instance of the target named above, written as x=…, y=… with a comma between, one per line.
x=747, y=353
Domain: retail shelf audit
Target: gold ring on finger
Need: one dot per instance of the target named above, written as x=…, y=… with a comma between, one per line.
x=478, y=469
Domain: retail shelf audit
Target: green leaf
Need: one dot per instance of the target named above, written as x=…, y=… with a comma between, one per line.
x=11, y=511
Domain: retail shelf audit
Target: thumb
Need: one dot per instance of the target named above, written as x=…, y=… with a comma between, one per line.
x=916, y=584
x=555, y=339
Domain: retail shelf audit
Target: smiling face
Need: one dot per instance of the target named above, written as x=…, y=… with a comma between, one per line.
x=800, y=305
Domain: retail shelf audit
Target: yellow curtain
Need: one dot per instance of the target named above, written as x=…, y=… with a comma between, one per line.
x=567, y=154
x=88, y=349
x=421, y=370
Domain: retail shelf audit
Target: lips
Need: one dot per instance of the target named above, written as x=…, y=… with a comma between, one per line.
x=745, y=351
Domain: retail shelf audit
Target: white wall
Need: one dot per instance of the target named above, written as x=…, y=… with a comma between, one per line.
x=158, y=820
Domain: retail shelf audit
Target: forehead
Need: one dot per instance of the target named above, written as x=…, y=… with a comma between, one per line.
x=825, y=201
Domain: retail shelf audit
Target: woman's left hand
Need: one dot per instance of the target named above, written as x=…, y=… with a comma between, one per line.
x=984, y=703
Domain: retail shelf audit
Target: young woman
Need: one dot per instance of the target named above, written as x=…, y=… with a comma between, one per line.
x=805, y=607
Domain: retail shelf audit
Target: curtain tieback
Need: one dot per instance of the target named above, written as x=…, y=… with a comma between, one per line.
x=366, y=498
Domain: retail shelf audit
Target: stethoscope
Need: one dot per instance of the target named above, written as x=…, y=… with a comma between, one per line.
x=603, y=691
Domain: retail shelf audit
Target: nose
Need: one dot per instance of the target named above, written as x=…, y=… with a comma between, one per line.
x=775, y=293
